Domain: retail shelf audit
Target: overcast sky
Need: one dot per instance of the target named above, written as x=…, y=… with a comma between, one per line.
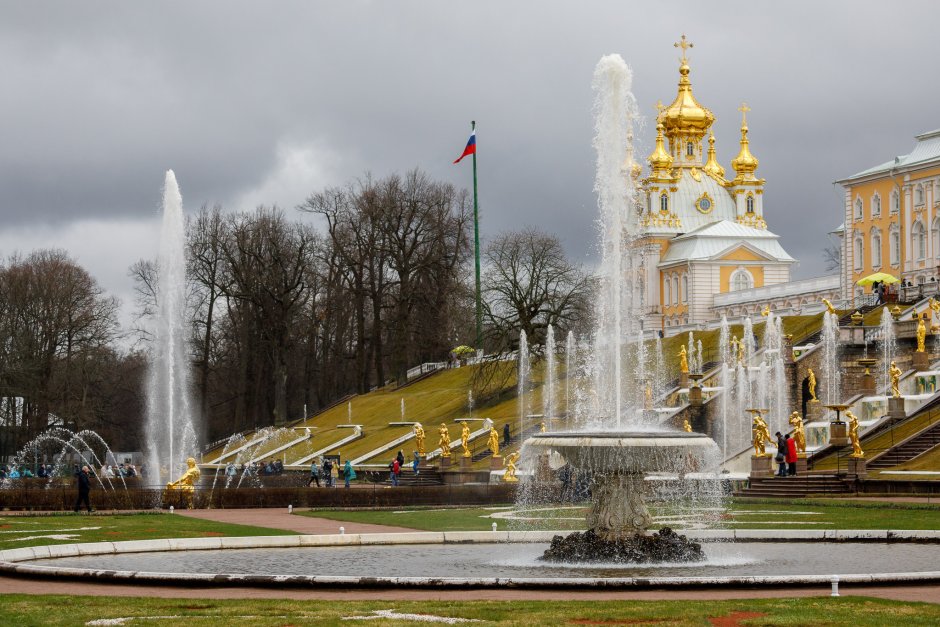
x=265, y=102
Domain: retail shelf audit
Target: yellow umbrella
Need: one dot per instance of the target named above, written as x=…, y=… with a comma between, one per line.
x=882, y=277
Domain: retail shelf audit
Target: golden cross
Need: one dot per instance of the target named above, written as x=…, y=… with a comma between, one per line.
x=685, y=45
x=744, y=109
x=659, y=109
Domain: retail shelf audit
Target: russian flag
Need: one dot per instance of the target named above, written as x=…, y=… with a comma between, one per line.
x=471, y=148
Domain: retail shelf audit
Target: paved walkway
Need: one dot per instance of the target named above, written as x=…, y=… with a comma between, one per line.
x=280, y=519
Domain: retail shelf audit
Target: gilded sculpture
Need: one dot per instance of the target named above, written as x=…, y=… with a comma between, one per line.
x=465, y=438
x=765, y=311
x=934, y=315
x=419, y=438
x=857, y=451
x=811, y=383
x=895, y=373
x=509, y=476
x=187, y=483
x=829, y=307
x=921, y=334
x=686, y=426
x=494, y=441
x=648, y=396
x=444, y=442
x=542, y=427
x=799, y=433
x=761, y=434
x=683, y=361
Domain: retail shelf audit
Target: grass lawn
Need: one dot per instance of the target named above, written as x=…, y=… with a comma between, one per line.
x=19, y=531
x=24, y=610
x=740, y=514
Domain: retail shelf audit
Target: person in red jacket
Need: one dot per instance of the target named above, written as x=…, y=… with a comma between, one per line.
x=791, y=455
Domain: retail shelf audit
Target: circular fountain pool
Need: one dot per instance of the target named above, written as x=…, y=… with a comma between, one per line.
x=474, y=559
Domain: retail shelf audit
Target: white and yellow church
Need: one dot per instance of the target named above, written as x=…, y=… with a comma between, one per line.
x=701, y=234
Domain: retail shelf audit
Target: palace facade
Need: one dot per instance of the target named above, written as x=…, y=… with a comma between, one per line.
x=892, y=218
x=701, y=233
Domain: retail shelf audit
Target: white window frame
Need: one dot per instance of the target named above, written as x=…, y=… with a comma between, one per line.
x=675, y=289
x=666, y=293
x=895, y=202
x=859, y=210
x=876, y=205
x=919, y=240
x=685, y=288
x=740, y=273
x=894, y=246
x=859, y=252
x=876, y=249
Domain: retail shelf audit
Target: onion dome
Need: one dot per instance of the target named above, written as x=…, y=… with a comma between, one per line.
x=660, y=161
x=685, y=116
x=712, y=166
x=745, y=164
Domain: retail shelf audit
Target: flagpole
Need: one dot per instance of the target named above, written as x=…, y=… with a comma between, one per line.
x=476, y=248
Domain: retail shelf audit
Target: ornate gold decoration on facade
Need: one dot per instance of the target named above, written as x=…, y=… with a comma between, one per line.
x=685, y=118
x=745, y=164
x=695, y=174
x=752, y=220
x=705, y=203
x=712, y=167
x=660, y=161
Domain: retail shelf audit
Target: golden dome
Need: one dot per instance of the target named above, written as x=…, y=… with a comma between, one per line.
x=660, y=161
x=745, y=164
x=712, y=166
x=685, y=116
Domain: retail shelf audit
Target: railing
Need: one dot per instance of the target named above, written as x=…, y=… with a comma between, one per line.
x=779, y=290
x=425, y=368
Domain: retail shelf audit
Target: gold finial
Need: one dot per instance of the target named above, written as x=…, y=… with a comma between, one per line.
x=744, y=109
x=685, y=45
x=745, y=164
x=659, y=109
x=712, y=166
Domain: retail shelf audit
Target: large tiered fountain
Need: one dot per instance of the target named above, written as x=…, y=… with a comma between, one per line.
x=618, y=442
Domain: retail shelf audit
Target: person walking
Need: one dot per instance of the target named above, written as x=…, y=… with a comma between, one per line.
x=401, y=458
x=348, y=472
x=506, y=434
x=415, y=463
x=781, y=456
x=791, y=455
x=314, y=474
x=84, y=486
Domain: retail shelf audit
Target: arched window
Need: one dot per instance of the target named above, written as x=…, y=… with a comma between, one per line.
x=935, y=237
x=690, y=149
x=749, y=203
x=858, y=209
x=685, y=288
x=895, y=201
x=876, y=249
x=919, y=240
x=666, y=299
x=741, y=279
x=675, y=289
x=919, y=195
x=664, y=202
x=875, y=205
x=894, y=247
x=859, y=253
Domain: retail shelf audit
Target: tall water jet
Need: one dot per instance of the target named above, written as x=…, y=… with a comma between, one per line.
x=615, y=111
x=888, y=345
x=832, y=370
x=171, y=434
x=522, y=379
x=569, y=353
x=548, y=389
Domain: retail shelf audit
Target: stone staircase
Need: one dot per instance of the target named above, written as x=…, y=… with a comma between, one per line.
x=426, y=476
x=514, y=438
x=916, y=445
x=799, y=486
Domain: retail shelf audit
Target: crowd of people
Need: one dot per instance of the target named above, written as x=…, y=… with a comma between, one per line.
x=256, y=468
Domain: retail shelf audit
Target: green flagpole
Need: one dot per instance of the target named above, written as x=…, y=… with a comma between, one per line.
x=476, y=247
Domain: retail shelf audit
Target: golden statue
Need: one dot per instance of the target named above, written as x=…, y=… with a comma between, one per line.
x=921, y=334
x=857, y=451
x=683, y=361
x=187, y=483
x=419, y=438
x=444, y=442
x=761, y=434
x=812, y=385
x=648, y=396
x=829, y=306
x=799, y=433
x=934, y=315
x=542, y=427
x=509, y=476
x=494, y=441
x=765, y=311
x=741, y=350
x=895, y=373
x=686, y=426
x=465, y=438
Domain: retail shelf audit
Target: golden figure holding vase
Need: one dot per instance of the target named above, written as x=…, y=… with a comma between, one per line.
x=921, y=334
x=760, y=433
x=419, y=438
x=829, y=307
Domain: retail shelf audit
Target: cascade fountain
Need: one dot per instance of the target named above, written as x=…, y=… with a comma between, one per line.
x=171, y=434
x=523, y=380
x=569, y=352
x=888, y=345
x=548, y=393
x=619, y=447
x=832, y=371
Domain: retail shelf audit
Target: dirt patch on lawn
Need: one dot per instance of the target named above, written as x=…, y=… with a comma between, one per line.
x=734, y=618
